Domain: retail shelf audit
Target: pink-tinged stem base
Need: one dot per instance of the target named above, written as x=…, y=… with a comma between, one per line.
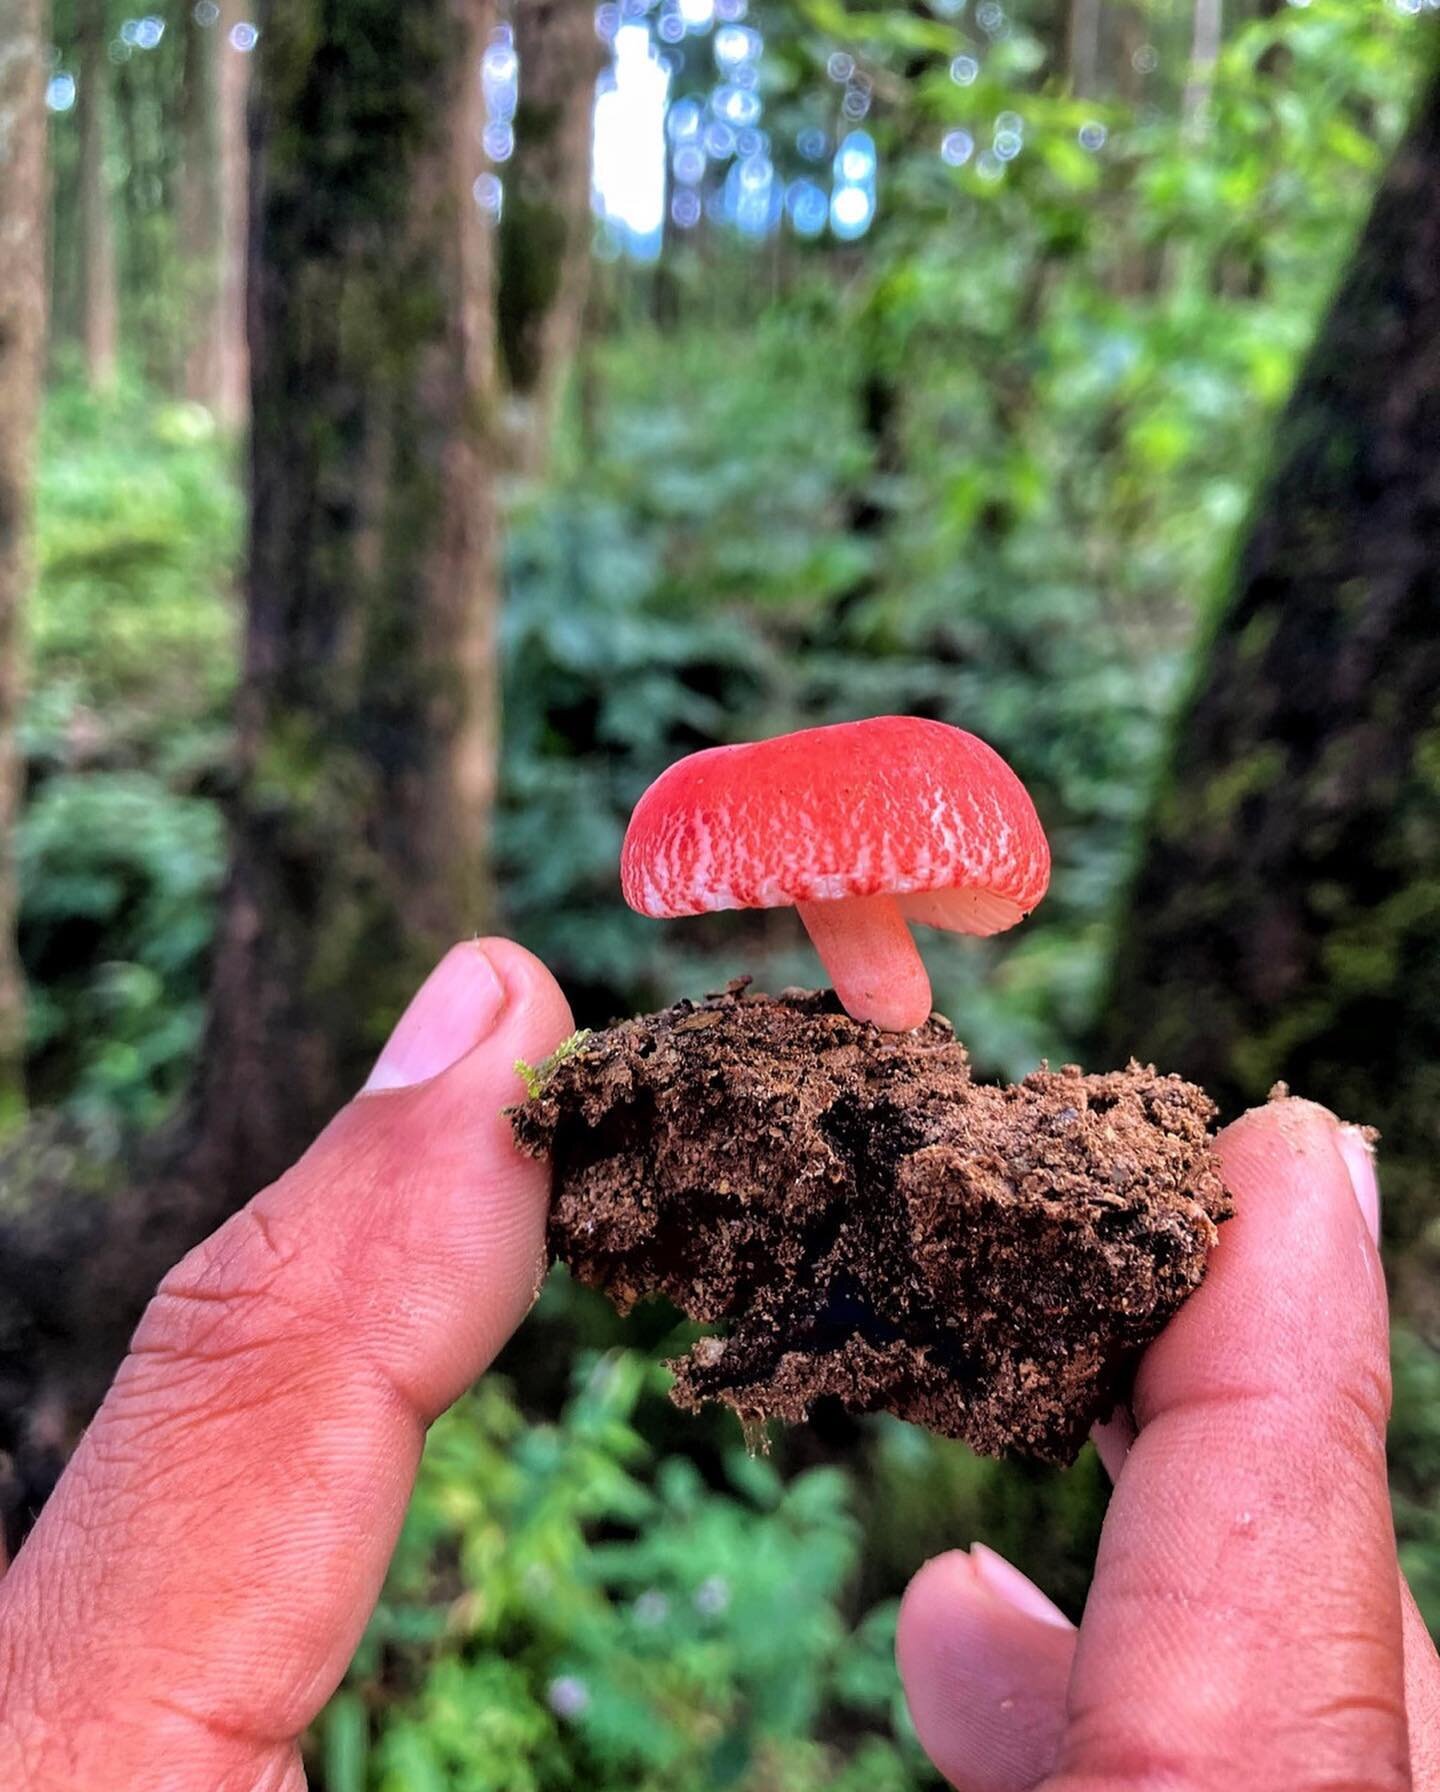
x=865, y=945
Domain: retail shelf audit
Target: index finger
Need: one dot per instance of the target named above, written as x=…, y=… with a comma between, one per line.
x=1245, y=1625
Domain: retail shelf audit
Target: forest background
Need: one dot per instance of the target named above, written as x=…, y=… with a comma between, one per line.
x=419, y=425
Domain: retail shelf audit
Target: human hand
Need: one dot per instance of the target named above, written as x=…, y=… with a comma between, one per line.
x=195, y=1587
x=197, y=1584
x=1248, y=1626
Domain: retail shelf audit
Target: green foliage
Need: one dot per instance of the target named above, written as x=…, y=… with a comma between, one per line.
x=120, y=876
x=132, y=649
x=566, y=1609
x=133, y=627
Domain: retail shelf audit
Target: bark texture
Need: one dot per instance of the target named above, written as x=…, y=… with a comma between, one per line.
x=230, y=363
x=212, y=214
x=198, y=225
x=1083, y=46
x=1285, y=916
x=546, y=228
x=367, y=715
x=99, y=296
x=24, y=204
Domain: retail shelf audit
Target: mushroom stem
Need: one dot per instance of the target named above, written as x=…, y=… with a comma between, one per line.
x=865, y=945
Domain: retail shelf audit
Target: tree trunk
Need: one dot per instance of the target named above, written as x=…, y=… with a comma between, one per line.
x=1205, y=31
x=199, y=221
x=545, y=232
x=99, y=303
x=213, y=210
x=24, y=205
x=1137, y=266
x=1284, y=920
x=230, y=392
x=366, y=761
x=1083, y=55
x=366, y=756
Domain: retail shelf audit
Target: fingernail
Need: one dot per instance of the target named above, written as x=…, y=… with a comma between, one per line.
x=455, y=1008
x=1112, y=1438
x=1016, y=1589
x=1359, y=1155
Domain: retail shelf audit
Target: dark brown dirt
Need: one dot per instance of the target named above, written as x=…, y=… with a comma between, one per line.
x=869, y=1222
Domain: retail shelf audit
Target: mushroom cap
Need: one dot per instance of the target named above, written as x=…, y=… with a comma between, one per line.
x=891, y=806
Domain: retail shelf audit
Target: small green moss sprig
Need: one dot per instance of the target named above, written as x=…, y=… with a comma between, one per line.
x=535, y=1076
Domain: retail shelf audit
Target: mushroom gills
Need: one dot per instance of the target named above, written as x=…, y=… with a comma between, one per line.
x=961, y=911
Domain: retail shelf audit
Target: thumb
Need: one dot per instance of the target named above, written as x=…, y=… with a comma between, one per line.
x=1244, y=1627
x=445, y=1253
x=222, y=1532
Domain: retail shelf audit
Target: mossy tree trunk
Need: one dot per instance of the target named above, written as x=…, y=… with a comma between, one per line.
x=1285, y=919
x=24, y=203
x=365, y=770
x=546, y=227
x=99, y=297
x=366, y=760
x=198, y=225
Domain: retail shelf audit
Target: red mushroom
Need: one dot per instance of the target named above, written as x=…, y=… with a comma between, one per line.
x=863, y=827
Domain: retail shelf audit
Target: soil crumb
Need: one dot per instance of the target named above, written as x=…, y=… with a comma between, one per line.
x=864, y=1220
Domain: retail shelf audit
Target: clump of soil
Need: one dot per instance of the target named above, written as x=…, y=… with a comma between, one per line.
x=865, y=1220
